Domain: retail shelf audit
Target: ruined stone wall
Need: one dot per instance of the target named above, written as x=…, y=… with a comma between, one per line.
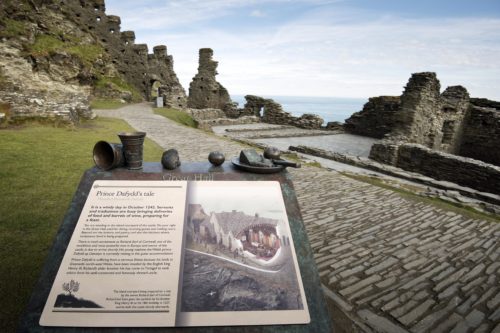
x=254, y=106
x=272, y=113
x=377, y=118
x=43, y=85
x=418, y=118
x=442, y=166
x=204, y=91
x=454, y=106
x=448, y=122
x=60, y=81
x=481, y=137
x=132, y=61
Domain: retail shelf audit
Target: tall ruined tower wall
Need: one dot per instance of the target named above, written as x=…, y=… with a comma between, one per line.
x=418, y=118
x=204, y=91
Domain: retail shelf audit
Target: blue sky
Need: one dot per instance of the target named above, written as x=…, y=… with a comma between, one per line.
x=338, y=48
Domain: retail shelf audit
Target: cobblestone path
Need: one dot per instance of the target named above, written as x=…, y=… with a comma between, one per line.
x=391, y=263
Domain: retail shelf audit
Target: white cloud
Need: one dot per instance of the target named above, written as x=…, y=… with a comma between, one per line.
x=330, y=53
x=257, y=13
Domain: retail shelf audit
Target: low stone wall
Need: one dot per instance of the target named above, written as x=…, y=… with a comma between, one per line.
x=441, y=166
x=385, y=152
x=68, y=108
x=448, y=187
x=207, y=124
x=206, y=114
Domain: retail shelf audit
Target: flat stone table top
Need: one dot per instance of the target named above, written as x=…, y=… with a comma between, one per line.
x=320, y=319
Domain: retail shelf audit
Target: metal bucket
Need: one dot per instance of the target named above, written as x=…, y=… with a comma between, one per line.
x=108, y=155
x=133, y=143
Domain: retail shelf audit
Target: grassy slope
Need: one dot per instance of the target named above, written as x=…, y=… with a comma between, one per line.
x=178, y=116
x=41, y=168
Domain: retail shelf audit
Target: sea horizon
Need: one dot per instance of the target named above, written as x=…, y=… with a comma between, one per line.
x=328, y=108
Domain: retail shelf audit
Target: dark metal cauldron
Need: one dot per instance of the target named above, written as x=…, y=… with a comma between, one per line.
x=133, y=143
x=108, y=155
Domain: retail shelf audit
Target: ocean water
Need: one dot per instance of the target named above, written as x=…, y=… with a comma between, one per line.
x=329, y=108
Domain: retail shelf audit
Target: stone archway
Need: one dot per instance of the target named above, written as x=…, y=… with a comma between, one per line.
x=155, y=89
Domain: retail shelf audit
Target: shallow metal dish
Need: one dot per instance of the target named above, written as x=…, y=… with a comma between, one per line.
x=255, y=169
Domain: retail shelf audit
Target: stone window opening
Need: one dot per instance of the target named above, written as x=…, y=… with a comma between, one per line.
x=112, y=30
x=96, y=8
x=449, y=109
x=448, y=130
x=201, y=87
x=208, y=98
x=98, y=19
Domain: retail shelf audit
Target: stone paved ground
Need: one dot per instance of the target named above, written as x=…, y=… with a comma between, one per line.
x=389, y=262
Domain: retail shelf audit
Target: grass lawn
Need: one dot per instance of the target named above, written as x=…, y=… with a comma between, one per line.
x=40, y=169
x=178, y=116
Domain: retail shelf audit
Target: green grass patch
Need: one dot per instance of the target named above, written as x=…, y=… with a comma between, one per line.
x=41, y=169
x=107, y=104
x=88, y=53
x=46, y=44
x=104, y=83
x=410, y=193
x=178, y=116
x=12, y=29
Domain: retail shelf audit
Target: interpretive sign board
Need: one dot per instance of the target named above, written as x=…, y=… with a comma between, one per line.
x=179, y=253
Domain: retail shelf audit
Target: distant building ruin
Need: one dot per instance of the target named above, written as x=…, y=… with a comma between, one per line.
x=447, y=136
x=449, y=122
x=268, y=111
x=204, y=90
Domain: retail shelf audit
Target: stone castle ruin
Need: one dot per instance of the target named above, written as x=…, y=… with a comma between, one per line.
x=64, y=52
x=448, y=135
x=132, y=61
x=210, y=103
